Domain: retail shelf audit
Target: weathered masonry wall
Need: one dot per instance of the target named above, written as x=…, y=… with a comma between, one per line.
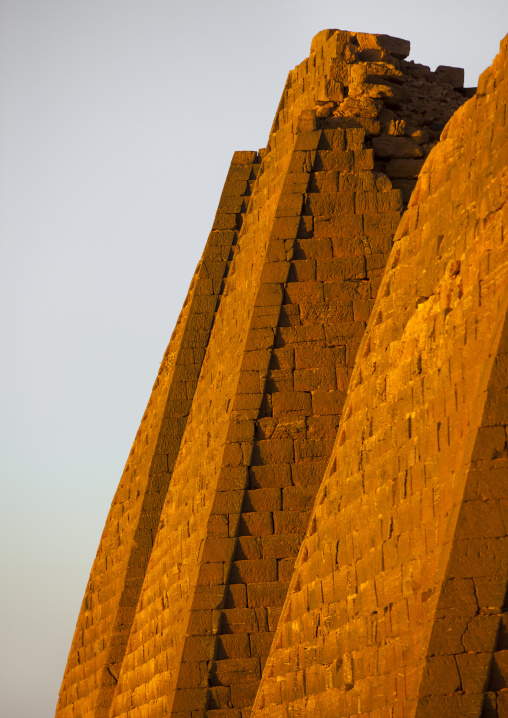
x=285, y=411
x=397, y=606
x=199, y=547
x=206, y=592
x=115, y=581
x=244, y=577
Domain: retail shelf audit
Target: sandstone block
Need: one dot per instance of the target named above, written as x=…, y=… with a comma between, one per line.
x=478, y=557
x=467, y=705
x=277, y=380
x=243, y=695
x=199, y=648
x=226, y=502
x=453, y=75
x=311, y=379
x=192, y=675
x=242, y=430
x=200, y=623
x=243, y=158
x=220, y=698
x=328, y=204
x=308, y=140
x=214, y=270
x=282, y=546
x=474, y=671
x=344, y=268
x=389, y=201
x=326, y=160
x=233, y=645
x=262, y=500
x=332, y=140
x=256, y=359
x=290, y=205
x=481, y=634
x=235, y=188
x=297, y=292
x=301, y=270
x=271, y=451
x=224, y=238
x=291, y=401
x=260, y=643
x=236, y=671
x=308, y=474
x=294, y=498
x=312, y=248
x=327, y=182
x=238, y=172
x=261, y=338
x=276, y=251
x=311, y=449
x=269, y=476
x=217, y=548
x=210, y=575
x=363, y=159
x=480, y=519
x=253, y=571
x=256, y=523
x=269, y=295
x=233, y=455
x=218, y=525
x=490, y=592
x=307, y=121
x=499, y=671
x=301, y=161
x=231, y=205
x=285, y=568
x=394, y=45
x=236, y=596
x=275, y=272
x=290, y=522
x=233, y=478
x=379, y=226
x=238, y=620
x=221, y=713
x=248, y=547
x=266, y=594
x=358, y=180
x=296, y=182
x=190, y=699
x=396, y=147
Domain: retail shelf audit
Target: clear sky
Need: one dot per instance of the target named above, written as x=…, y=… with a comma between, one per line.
x=118, y=120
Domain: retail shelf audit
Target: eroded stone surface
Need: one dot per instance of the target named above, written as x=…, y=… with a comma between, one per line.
x=397, y=606
x=191, y=576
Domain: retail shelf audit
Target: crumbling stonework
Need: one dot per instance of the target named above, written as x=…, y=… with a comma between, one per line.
x=397, y=606
x=191, y=576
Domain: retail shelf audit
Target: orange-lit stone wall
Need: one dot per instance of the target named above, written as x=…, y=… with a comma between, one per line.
x=263, y=421
x=199, y=547
x=397, y=606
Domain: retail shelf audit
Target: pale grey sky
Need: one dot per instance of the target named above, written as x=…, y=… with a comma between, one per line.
x=118, y=120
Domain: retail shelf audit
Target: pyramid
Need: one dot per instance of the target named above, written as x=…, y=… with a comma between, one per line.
x=332, y=394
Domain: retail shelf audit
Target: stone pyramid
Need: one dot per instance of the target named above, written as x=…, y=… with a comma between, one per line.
x=334, y=393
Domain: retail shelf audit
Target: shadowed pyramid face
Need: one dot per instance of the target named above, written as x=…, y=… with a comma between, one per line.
x=190, y=584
